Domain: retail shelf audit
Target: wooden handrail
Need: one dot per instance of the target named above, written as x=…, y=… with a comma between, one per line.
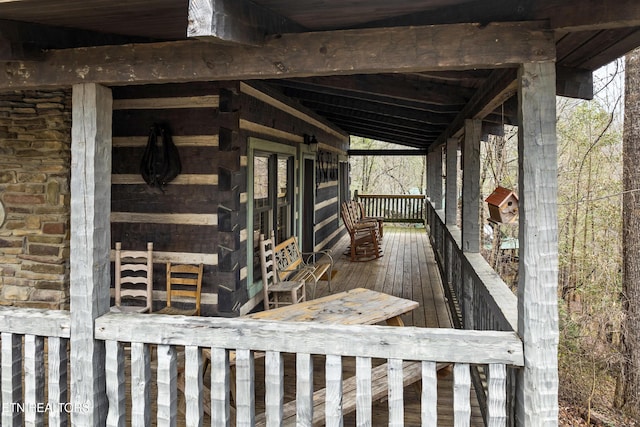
x=407, y=208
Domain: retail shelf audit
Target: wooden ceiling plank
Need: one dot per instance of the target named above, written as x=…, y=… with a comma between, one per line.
x=585, y=15
x=298, y=90
x=367, y=51
x=236, y=21
x=397, y=87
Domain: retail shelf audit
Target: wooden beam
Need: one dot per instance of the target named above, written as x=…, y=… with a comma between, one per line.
x=451, y=182
x=471, y=186
x=457, y=46
x=537, y=388
x=21, y=41
x=398, y=152
x=574, y=83
x=236, y=21
x=499, y=88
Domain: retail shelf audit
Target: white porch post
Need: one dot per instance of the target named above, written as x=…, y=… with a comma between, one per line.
x=451, y=193
x=537, y=391
x=90, y=241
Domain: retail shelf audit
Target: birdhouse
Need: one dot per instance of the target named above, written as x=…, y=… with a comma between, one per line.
x=503, y=205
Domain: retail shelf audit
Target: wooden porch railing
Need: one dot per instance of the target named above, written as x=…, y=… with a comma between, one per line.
x=407, y=208
x=497, y=351
x=478, y=297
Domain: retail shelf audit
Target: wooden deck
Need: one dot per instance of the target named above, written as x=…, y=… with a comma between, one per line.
x=408, y=269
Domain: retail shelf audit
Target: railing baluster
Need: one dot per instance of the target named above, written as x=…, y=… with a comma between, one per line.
x=57, y=354
x=193, y=386
x=245, y=377
x=333, y=400
x=33, y=380
x=11, y=379
x=274, y=387
x=429, y=395
x=220, y=385
x=140, y=385
x=167, y=381
x=497, y=395
x=461, y=395
x=396, y=393
x=304, y=390
x=363, y=392
x=116, y=392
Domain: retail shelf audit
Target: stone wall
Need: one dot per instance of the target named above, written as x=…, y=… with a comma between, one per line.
x=35, y=161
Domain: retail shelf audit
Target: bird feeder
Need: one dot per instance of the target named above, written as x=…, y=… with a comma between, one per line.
x=503, y=206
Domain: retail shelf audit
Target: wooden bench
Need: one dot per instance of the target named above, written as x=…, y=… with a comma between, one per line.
x=411, y=371
x=295, y=266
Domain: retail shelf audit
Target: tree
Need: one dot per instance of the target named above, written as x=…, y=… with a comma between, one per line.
x=631, y=235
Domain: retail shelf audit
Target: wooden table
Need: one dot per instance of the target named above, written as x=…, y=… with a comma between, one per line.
x=354, y=307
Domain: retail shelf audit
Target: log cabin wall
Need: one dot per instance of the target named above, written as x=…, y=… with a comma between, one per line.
x=201, y=216
x=270, y=116
x=193, y=219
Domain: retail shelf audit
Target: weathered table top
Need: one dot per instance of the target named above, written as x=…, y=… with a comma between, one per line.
x=354, y=307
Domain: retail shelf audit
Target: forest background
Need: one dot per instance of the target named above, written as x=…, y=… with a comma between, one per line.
x=590, y=174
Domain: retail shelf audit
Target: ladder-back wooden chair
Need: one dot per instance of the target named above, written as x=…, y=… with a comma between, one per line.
x=277, y=293
x=183, y=281
x=133, y=280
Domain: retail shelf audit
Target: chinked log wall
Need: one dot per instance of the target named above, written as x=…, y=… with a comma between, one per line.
x=193, y=219
x=35, y=152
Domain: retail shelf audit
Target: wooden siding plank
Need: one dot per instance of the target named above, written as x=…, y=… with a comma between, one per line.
x=204, y=101
x=274, y=388
x=304, y=390
x=220, y=386
x=34, y=374
x=140, y=385
x=437, y=47
x=167, y=383
x=11, y=378
x=178, y=140
x=333, y=397
x=57, y=379
x=182, y=179
x=193, y=385
x=159, y=218
x=115, y=383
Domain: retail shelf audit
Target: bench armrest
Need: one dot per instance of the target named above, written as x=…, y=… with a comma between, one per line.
x=317, y=256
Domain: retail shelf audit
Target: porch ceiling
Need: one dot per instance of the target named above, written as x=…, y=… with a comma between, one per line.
x=412, y=109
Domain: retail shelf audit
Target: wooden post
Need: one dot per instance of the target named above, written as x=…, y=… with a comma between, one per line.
x=451, y=193
x=90, y=241
x=537, y=389
x=471, y=186
x=434, y=170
